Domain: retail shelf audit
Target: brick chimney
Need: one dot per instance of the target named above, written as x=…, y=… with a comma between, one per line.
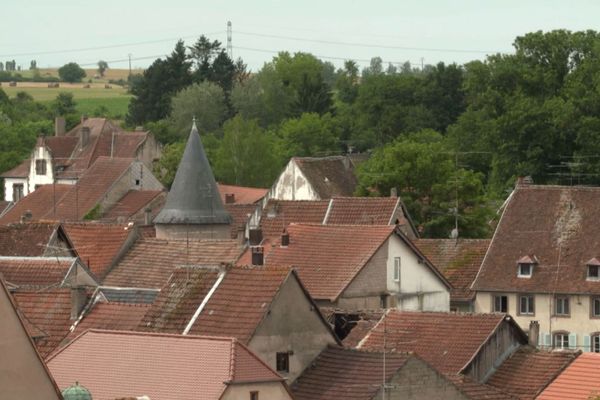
x=60, y=126
x=258, y=255
x=534, y=333
x=84, y=135
x=229, y=198
x=255, y=236
x=285, y=238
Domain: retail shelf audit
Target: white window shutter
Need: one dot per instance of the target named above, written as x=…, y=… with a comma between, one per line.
x=587, y=343
x=547, y=340
x=572, y=341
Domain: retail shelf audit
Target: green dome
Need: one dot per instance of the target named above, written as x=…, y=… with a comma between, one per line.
x=76, y=392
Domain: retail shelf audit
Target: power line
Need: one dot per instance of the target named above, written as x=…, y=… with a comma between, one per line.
x=357, y=44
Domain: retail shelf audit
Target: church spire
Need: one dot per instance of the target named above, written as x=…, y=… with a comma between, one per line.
x=194, y=197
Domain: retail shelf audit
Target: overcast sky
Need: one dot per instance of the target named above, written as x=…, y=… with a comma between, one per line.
x=396, y=30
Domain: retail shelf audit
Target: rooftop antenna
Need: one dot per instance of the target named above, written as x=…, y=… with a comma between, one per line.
x=229, y=45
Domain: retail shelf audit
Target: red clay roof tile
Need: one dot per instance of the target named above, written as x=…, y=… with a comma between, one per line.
x=362, y=210
x=112, y=316
x=132, y=202
x=242, y=194
x=156, y=365
x=40, y=272
x=579, y=381
x=278, y=214
x=28, y=240
x=40, y=203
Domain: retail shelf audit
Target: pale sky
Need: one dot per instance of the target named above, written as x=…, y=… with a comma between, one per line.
x=396, y=30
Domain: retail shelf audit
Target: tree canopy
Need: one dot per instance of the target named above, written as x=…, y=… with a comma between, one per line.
x=71, y=72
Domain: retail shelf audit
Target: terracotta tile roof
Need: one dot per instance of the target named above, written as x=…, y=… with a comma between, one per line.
x=128, y=295
x=242, y=194
x=147, y=231
x=156, y=365
x=38, y=202
x=362, y=210
x=132, y=202
x=50, y=312
x=544, y=221
x=4, y=206
x=235, y=308
x=240, y=214
x=90, y=188
x=98, y=244
x=114, y=316
x=478, y=391
x=579, y=381
x=150, y=262
x=340, y=373
x=459, y=261
x=328, y=257
x=329, y=176
x=20, y=171
x=447, y=341
x=528, y=371
x=61, y=148
x=32, y=272
x=278, y=214
x=240, y=302
x=28, y=240
x=127, y=144
x=363, y=326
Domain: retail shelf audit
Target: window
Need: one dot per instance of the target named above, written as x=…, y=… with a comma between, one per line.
x=40, y=167
x=253, y=395
x=525, y=270
x=500, y=304
x=595, y=307
x=561, y=340
x=397, y=269
x=526, y=305
x=17, y=191
x=283, y=362
x=593, y=272
x=561, y=305
x=595, y=343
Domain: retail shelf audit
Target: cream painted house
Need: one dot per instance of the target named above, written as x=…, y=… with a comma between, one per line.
x=542, y=265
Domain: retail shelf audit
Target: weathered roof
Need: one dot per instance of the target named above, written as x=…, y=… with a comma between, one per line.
x=111, y=315
x=278, y=214
x=128, y=295
x=329, y=176
x=131, y=203
x=194, y=197
x=235, y=308
x=150, y=262
x=61, y=148
x=29, y=239
x=459, y=261
x=98, y=244
x=39, y=202
x=49, y=311
x=240, y=215
x=447, y=341
x=528, y=371
x=579, y=381
x=478, y=391
x=362, y=210
x=156, y=365
x=5, y=206
x=35, y=272
x=557, y=225
x=340, y=373
x=241, y=194
x=20, y=171
x=328, y=257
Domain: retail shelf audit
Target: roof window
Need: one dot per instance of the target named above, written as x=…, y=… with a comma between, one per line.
x=525, y=266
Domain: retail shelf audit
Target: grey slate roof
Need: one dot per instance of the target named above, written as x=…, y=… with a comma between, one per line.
x=194, y=197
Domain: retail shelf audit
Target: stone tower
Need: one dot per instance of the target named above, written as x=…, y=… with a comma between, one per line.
x=193, y=208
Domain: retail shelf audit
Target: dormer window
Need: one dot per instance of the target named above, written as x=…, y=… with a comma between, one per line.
x=525, y=266
x=593, y=269
x=40, y=167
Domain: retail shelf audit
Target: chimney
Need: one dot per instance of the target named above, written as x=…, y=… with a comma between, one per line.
x=534, y=333
x=60, y=126
x=147, y=218
x=524, y=181
x=78, y=300
x=27, y=216
x=84, y=118
x=84, y=135
x=285, y=239
x=255, y=236
x=258, y=255
x=229, y=198
x=393, y=192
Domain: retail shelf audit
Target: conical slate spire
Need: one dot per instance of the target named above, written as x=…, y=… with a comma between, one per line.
x=194, y=197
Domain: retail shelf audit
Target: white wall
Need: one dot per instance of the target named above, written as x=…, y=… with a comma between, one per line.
x=8, y=187
x=419, y=289
x=292, y=185
x=40, y=153
x=578, y=323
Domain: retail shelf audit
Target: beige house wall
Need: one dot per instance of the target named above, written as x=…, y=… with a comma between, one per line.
x=292, y=185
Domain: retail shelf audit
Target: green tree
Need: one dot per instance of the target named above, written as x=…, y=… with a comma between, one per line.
x=309, y=135
x=166, y=167
x=422, y=167
x=203, y=101
x=64, y=104
x=71, y=72
x=102, y=67
x=347, y=82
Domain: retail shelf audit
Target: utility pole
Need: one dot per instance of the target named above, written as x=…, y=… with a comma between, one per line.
x=129, y=65
x=229, y=45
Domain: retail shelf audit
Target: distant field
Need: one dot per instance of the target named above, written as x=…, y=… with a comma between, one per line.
x=88, y=100
x=110, y=73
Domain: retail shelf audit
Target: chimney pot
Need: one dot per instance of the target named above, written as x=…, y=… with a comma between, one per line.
x=534, y=333
x=229, y=198
x=60, y=126
x=258, y=255
x=285, y=239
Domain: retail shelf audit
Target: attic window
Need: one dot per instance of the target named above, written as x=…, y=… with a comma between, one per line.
x=283, y=362
x=525, y=265
x=593, y=270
